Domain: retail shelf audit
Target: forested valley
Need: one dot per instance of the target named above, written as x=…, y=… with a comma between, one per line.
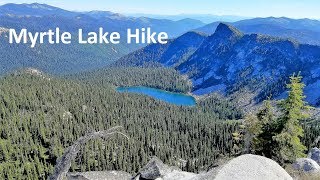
x=40, y=116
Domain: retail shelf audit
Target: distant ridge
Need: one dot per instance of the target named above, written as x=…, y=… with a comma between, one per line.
x=73, y=58
x=306, y=31
x=34, y=9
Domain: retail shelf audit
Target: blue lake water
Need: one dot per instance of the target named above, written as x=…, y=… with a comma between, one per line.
x=166, y=96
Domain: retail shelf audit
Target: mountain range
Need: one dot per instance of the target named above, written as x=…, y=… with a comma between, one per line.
x=304, y=30
x=230, y=61
x=229, y=58
x=61, y=59
x=93, y=19
x=206, y=18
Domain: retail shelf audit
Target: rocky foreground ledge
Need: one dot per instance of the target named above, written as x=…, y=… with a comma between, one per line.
x=245, y=167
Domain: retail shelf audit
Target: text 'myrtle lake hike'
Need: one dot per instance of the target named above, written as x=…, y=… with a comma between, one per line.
x=161, y=89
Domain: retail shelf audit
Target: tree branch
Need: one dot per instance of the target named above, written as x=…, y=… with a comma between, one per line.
x=64, y=163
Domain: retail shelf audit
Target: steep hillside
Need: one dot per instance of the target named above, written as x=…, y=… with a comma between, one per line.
x=229, y=60
x=175, y=52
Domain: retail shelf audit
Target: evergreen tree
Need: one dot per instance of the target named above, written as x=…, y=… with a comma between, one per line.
x=260, y=129
x=288, y=141
x=268, y=126
x=279, y=138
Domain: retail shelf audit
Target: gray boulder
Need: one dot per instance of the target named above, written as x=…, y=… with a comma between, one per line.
x=306, y=165
x=156, y=169
x=315, y=155
x=252, y=167
x=100, y=175
x=179, y=175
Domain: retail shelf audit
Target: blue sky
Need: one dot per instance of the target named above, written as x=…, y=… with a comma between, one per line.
x=249, y=8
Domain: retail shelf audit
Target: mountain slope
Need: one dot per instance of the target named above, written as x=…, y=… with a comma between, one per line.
x=173, y=53
x=62, y=59
x=303, y=30
x=230, y=62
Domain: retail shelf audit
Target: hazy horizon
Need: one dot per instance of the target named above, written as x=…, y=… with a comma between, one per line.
x=248, y=8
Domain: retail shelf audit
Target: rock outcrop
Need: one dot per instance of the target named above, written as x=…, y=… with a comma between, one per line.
x=245, y=167
x=252, y=167
x=100, y=175
x=306, y=165
x=156, y=169
x=314, y=154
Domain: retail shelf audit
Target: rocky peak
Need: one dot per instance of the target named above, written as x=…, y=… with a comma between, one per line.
x=226, y=31
x=222, y=40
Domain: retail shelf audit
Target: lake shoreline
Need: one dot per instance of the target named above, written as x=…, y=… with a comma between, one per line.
x=184, y=99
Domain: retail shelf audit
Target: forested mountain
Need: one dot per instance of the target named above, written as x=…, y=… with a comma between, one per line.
x=175, y=52
x=57, y=58
x=230, y=61
x=60, y=58
x=306, y=31
x=162, y=78
x=41, y=115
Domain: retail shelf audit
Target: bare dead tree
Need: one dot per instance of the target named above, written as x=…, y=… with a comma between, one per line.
x=64, y=163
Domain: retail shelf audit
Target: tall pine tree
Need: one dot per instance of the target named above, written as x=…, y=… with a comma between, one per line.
x=289, y=146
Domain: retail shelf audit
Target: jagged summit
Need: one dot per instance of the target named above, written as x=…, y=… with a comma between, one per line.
x=227, y=31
